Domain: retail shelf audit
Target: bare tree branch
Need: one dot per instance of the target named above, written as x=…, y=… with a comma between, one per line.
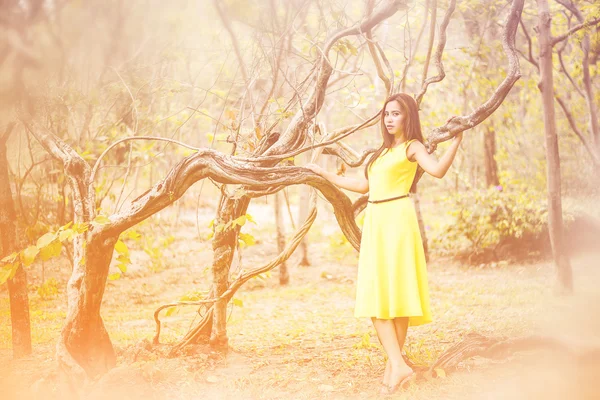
x=438, y=54
x=411, y=56
x=588, y=146
x=459, y=124
x=530, y=57
x=297, y=127
x=431, y=40
x=569, y=77
x=370, y=44
x=245, y=277
x=574, y=29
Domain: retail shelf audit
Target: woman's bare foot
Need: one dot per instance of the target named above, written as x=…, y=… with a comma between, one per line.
x=399, y=374
x=386, y=378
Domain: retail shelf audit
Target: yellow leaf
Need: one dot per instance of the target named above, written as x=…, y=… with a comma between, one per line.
x=10, y=258
x=80, y=228
x=240, y=220
x=114, y=276
x=170, y=311
x=122, y=267
x=65, y=235
x=248, y=239
x=237, y=302
x=45, y=240
x=4, y=275
x=440, y=372
x=28, y=255
x=50, y=251
x=102, y=220
x=123, y=259
x=121, y=248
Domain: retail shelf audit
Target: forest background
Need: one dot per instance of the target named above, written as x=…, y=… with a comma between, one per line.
x=160, y=236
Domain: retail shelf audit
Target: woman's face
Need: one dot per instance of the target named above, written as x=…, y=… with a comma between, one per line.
x=393, y=117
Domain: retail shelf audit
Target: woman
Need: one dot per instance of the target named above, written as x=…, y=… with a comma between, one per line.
x=392, y=276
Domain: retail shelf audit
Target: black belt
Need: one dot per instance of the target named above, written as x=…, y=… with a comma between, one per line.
x=384, y=200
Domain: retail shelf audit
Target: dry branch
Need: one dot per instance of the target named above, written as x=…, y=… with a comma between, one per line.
x=495, y=348
x=289, y=140
x=438, y=52
x=245, y=277
x=574, y=29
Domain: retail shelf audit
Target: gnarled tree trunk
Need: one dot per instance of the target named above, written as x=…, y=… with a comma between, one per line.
x=84, y=344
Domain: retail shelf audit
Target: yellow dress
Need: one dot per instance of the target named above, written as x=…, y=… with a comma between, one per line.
x=392, y=275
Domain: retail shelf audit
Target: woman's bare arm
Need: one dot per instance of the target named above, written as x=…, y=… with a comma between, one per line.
x=359, y=185
x=417, y=152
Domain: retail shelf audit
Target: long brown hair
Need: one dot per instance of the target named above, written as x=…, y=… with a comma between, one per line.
x=411, y=128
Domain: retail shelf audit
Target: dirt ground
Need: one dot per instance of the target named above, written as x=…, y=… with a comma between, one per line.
x=301, y=341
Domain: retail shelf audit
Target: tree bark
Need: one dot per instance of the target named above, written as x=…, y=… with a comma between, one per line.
x=223, y=252
x=491, y=167
x=85, y=350
x=284, y=276
x=17, y=286
x=546, y=85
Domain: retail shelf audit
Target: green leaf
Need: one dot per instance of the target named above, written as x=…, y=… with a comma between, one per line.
x=102, y=220
x=28, y=255
x=114, y=276
x=237, y=302
x=121, y=248
x=45, y=240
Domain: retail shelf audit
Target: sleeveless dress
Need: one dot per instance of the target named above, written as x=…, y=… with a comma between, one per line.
x=392, y=275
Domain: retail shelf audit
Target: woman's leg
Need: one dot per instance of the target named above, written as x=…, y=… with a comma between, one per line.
x=386, y=332
x=401, y=325
x=402, y=371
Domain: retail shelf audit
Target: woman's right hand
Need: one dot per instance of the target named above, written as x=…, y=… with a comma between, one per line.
x=314, y=168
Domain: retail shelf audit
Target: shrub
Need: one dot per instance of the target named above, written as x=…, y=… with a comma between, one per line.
x=493, y=224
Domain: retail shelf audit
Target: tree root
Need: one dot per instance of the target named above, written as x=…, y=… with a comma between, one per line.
x=495, y=348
